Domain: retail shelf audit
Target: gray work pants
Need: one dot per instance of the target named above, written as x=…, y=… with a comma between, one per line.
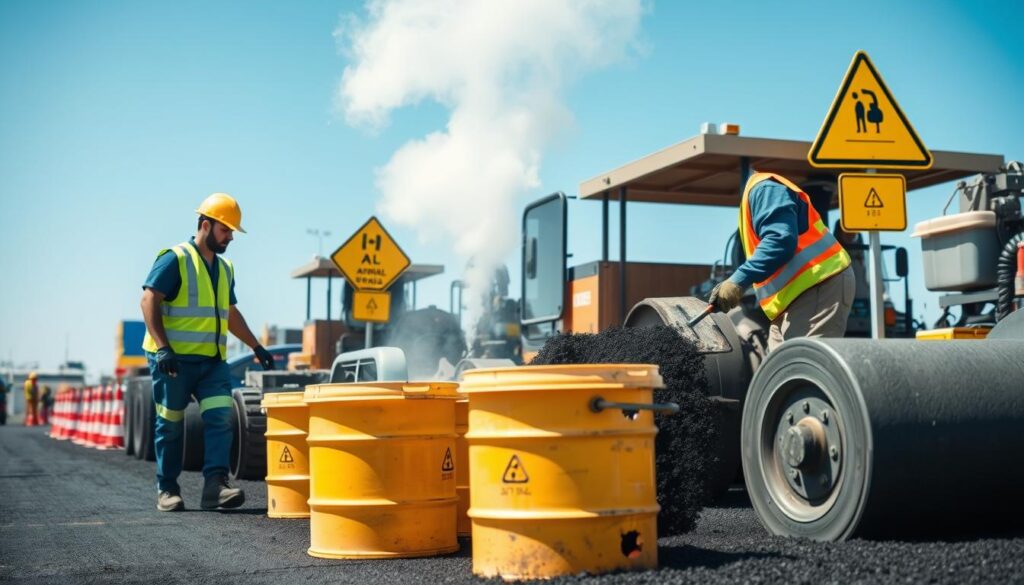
x=821, y=311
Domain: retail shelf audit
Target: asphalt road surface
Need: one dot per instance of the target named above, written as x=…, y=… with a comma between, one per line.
x=69, y=514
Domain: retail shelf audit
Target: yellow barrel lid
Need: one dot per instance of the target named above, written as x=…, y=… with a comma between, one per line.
x=276, y=399
x=561, y=377
x=377, y=390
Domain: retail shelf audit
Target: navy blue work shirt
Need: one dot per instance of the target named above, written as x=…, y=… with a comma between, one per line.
x=779, y=217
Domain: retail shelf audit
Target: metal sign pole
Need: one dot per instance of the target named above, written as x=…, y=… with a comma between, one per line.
x=877, y=288
x=369, y=335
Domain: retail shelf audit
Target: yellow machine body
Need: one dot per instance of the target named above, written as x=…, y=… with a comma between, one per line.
x=555, y=487
x=382, y=469
x=287, y=455
x=948, y=333
x=462, y=523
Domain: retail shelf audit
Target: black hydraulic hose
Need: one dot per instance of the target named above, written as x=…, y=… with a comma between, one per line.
x=1006, y=270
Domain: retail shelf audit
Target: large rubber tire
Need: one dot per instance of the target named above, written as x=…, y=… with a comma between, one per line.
x=146, y=421
x=249, y=445
x=192, y=443
x=128, y=420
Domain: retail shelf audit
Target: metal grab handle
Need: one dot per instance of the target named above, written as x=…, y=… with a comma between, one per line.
x=597, y=404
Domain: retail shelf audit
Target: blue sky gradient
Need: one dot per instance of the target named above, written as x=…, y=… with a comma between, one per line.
x=117, y=118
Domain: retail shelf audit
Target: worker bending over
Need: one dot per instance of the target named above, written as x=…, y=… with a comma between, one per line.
x=188, y=302
x=799, y=271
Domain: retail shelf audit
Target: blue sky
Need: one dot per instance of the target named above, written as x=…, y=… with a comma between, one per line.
x=117, y=118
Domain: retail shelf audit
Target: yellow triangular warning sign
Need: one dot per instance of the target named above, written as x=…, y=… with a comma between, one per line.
x=448, y=464
x=865, y=128
x=515, y=472
x=286, y=456
x=873, y=200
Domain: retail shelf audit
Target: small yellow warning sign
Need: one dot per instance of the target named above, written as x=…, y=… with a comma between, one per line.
x=865, y=127
x=371, y=306
x=371, y=259
x=872, y=202
x=515, y=472
x=448, y=464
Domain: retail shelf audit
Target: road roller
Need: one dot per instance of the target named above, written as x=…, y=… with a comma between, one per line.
x=834, y=438
x=843, y=438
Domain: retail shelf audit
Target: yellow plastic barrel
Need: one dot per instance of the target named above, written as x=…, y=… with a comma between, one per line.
x=287, y=455
x=462, y=523
x=561, y=477
x=382, y=469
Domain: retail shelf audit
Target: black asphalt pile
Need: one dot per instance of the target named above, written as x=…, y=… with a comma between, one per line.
x=685, y=446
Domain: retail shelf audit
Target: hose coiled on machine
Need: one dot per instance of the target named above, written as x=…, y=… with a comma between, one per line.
x=1006, y=270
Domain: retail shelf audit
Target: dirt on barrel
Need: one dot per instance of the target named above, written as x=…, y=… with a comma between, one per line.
x=685, y=445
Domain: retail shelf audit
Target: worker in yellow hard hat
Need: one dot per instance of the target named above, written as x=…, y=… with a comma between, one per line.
x=32, y=400
x=188, y=302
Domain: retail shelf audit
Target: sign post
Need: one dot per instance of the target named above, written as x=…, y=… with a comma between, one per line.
x=371, y=261
x=866, y=129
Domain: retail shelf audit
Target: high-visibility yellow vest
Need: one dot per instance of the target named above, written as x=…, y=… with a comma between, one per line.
x=191, y=319
x=818, y=254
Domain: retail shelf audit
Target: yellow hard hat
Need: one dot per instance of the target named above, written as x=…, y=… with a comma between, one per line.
x=32, y=375
x=223, y=208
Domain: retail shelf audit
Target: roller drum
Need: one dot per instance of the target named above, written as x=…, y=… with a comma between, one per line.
x=852, y=437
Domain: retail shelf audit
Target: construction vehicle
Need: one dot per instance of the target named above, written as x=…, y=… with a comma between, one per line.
x=495, y=334
x=807, y=477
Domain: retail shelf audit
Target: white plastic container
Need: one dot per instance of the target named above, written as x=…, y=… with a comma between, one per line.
x=960, y=251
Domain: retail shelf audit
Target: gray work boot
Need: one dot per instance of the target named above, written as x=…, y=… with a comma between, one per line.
x=218, y=493
x=168, y=501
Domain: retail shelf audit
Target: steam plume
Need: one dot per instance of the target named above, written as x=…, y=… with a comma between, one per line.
x=500, y=68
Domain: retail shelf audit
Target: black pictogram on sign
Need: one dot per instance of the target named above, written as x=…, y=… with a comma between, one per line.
x=515, y=472
x=286, y=456
x=448, y=464
x=873, y=201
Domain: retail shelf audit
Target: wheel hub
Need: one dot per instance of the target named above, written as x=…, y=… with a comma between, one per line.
x=808, y=450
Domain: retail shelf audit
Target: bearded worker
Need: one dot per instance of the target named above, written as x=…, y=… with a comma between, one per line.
x=188, y=302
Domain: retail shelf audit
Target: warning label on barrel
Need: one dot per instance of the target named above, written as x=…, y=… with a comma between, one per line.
x=515, y=472
x=286, y=459
x=448, y=465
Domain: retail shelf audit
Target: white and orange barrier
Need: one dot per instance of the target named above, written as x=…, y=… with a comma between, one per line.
x=90, y=416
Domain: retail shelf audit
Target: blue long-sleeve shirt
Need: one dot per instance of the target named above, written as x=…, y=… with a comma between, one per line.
x=779, y=216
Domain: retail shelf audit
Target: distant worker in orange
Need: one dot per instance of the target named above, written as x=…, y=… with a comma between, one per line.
x=188, y=302
x=31, y=400
x=800, y=273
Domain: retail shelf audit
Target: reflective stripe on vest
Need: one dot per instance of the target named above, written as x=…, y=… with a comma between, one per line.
x=192, y=319
x=818, y=254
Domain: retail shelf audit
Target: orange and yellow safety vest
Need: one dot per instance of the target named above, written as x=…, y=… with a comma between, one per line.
x=818, y=254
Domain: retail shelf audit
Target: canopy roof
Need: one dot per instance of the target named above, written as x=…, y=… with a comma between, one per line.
x=707, y=170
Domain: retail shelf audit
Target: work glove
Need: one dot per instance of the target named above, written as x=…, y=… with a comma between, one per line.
x=266, y=360
x=167, y=361
x=726, y=295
